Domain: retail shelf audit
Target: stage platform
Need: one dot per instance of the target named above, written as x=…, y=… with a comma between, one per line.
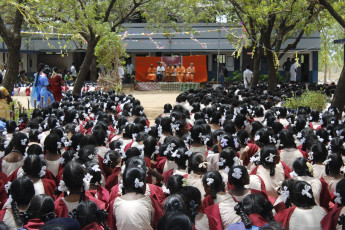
x=166, y=86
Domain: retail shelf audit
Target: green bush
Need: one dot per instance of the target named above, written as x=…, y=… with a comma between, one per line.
x=315, y=100
x=237, y=76
x=263, y=77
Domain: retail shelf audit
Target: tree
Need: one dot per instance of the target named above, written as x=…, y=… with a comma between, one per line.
x=12, y=17
x=336, y=10
x=272, y=25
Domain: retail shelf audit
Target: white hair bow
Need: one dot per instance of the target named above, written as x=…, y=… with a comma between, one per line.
x=61, y=160
x=96, y=168
x=209, y=181
x=86, y=181
x=311, y=156
x=224, y=142
x=23, y=142
x=7, y=186
x=338, y=197
x=270, y=158
x=237, y=173
x=305, y=191
x=138, y=183
x=174, y=154
x=202, y=165
x=221, y=162
x=299, y=135
x=62, y=186
x=293, y=174
x=43, y=171
x=257, y=138
x=285, y=193
x=165, y=190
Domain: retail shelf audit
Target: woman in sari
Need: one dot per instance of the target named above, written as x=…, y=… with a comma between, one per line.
x=36, y=88
x=45, y=94
x=55, y=82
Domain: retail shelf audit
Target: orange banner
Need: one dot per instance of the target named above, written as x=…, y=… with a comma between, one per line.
x=142, y=65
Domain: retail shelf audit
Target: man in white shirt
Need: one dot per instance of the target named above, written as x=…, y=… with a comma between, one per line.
x=160, y=72
x=121, y=72
x=293, y=71
x=248, y=77
x=73, y=72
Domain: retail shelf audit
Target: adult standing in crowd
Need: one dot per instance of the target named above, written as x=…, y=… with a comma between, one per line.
x=73, y=72
x=121, y=73
x=56, y=82
x=293, y=71
x=286, y=67
x=248, y=77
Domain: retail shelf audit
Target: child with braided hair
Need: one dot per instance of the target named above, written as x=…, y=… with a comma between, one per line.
x=219, y=204
x=305, y=214
x=255, y=212
x=330, y=221
x=303, y=171
x=334, y=164
x=20, y=192
x=40, y=210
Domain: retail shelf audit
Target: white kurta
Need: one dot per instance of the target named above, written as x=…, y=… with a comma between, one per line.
x=53, y=166
x=133, y=214
x=9, y=167
x=289, y=155
x=196, y=181
x=39, y=187
x=319, y=171
x=307, y=219
x=271, y=182
x=226, y=209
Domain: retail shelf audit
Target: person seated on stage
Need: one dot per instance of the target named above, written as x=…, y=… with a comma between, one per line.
x=180, y=70
x=170, y=72
x=160, y=72
x=190, y=73
x=151, y=76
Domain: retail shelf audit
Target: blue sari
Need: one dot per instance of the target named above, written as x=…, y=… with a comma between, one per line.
x=35, y=90
x=45, y=93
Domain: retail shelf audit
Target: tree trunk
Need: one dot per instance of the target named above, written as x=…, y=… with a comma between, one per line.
x=325, y=74
x=85, y=67
x=256, y=67
x=12, y=69
x=339, y=95
x=272, y=72
x=93, y=69
x=330, y=73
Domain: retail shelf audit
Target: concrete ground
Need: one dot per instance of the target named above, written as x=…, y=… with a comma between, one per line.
x=152, y=101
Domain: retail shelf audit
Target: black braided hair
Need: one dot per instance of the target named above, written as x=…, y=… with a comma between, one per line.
x=240, y=211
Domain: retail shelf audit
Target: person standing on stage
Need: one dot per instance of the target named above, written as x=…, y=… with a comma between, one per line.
x=160, y=72
x=190, y=73
x=151, y=76
x=180, y=70
x=248, y=77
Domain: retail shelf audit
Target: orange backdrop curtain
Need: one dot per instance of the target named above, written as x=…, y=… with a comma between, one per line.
x=143, y=63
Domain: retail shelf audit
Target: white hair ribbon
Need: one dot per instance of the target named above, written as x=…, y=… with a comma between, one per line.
x=237, y=173
x=209, y=181
x=138, y=184
x=305, y=191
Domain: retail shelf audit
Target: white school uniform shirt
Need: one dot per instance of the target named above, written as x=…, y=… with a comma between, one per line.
x=307, y=219
x=133, y=214
x=247, y=74
x=73, y=71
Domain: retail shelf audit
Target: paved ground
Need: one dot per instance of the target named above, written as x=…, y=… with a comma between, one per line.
x=152, y=101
